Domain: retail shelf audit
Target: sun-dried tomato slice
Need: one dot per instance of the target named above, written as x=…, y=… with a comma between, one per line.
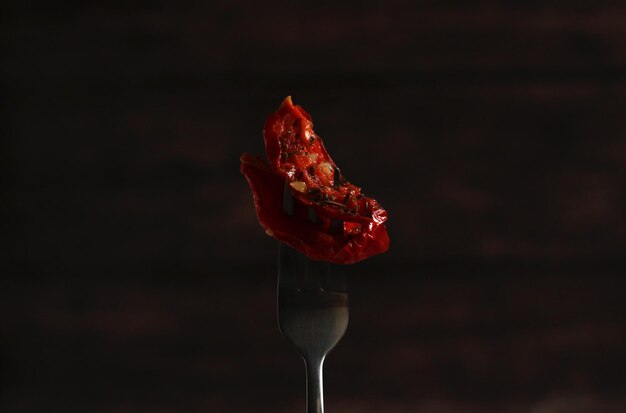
x=297, y=157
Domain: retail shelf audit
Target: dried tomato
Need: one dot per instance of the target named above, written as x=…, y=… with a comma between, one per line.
x=297, y=156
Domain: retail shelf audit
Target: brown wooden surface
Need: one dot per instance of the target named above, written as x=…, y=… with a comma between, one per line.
x=136, y=278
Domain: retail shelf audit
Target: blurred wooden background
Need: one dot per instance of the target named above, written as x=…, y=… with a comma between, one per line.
x=136, y=278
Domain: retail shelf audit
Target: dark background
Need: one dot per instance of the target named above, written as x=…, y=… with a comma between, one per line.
x=135, y=275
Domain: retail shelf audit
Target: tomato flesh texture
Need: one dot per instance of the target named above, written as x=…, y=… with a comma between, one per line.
x=298, y=154
x=316, y=241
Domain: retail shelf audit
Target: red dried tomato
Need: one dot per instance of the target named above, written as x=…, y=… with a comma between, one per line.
x=297, y=156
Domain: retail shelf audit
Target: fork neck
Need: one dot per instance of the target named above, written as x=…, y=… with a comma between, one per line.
x=314, y=385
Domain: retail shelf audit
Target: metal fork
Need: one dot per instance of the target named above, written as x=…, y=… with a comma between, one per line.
x=312, y=311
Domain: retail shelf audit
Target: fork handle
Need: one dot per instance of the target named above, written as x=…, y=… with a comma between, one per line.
x=314, y=386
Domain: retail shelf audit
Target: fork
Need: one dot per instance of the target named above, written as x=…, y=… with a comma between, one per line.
x=312, y=311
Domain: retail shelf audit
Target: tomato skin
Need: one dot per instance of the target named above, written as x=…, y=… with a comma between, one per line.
x=297, y=157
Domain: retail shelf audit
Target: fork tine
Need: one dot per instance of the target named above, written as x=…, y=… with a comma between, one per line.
x=291, y=266
x=316, y=274
x=287, y=200
x=336, y=226
x=337, y=282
